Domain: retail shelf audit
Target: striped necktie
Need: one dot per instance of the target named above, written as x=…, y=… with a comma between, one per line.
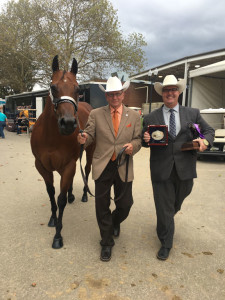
x=172, y=123
x=115, y=120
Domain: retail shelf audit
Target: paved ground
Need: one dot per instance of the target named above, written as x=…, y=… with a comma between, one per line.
x=31, y=269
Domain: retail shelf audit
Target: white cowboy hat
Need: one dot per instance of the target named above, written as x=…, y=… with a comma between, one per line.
x=114, y=84
x=170, y=80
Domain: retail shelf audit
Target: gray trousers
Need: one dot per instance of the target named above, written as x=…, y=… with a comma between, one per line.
x=169, y=196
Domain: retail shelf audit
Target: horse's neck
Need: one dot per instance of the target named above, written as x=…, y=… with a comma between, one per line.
x=49, y=107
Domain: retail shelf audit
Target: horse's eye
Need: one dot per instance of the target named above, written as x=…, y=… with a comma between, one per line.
x=76, y=90
x=53, y=89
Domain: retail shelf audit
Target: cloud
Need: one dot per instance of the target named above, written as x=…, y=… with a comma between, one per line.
x=174, y=29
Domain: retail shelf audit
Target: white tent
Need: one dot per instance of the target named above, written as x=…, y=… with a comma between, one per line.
x=207, y=90
x=212, y=69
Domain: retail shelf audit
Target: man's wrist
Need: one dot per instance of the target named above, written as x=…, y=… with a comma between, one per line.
x=206, y=143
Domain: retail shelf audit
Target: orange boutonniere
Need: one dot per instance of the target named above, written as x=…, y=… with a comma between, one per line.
x=129, y=125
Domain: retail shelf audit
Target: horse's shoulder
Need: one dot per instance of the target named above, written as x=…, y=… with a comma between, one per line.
x=84, y=106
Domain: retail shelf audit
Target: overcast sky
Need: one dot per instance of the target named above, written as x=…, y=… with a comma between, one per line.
x=173, y=29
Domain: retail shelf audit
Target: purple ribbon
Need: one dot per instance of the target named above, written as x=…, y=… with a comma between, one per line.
x=198, y=129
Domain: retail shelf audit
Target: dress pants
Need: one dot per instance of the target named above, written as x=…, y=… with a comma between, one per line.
x=169, y=196
x=107, y=220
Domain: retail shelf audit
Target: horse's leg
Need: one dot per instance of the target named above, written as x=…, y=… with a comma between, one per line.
x=51, y=192
x=70, y=195
x=89, y=155
x=65, y=183
x=58, y=240
x=48, y=178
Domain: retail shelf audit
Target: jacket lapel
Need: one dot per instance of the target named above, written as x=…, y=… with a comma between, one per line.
x=183, y=120
x=124, y=118
x=162, y=121
x=160, y=116
x=108, y=118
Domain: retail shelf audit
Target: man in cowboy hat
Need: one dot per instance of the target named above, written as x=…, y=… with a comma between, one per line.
x=173, y=170
x=112, y=127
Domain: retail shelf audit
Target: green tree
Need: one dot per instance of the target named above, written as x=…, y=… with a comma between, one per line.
x=18, y=67
x=33, y=32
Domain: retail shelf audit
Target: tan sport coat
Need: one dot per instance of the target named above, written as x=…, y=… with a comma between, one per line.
x=100, y=129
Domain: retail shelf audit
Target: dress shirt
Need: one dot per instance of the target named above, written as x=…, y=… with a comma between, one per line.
x=166, y=115
x=119, y=111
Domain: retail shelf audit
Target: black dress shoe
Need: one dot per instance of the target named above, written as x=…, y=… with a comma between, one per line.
x=106, y=253
x=116, y=231
x=163, y=253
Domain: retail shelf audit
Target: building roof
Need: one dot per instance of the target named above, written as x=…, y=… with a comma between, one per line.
x=215, y=70
x=39, y=93
x=181, y=67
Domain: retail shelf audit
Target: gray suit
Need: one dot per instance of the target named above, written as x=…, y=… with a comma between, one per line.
x=173, y=170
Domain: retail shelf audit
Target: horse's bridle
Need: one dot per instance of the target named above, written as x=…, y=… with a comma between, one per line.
x=57, y=101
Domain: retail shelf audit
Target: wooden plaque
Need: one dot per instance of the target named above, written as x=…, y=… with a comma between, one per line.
x=190, y=146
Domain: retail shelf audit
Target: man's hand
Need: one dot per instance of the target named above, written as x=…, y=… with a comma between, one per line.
x=146, y=137
x=202, y=146
x=129, y=149
x=82, y=137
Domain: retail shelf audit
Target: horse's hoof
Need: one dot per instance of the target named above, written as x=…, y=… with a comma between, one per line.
x=84, y=198
x=71, y=199
x=51, y=222
x=57, y=243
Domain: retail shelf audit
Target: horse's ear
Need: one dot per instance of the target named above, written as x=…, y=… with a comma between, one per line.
x=55, y=64
x=74, y=67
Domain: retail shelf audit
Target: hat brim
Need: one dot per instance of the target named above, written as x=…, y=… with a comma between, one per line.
x=181, y=84
x=124, y=87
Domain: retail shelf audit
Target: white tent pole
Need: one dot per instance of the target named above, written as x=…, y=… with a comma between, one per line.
x=186, y=67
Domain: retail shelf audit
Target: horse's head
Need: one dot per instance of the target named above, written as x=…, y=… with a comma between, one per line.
x=64, y=92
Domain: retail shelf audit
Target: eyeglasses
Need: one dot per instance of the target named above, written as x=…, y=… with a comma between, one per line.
x=114, y=94
x=170, y=90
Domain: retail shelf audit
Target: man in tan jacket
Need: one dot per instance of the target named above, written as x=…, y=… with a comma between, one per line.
x=112, y=127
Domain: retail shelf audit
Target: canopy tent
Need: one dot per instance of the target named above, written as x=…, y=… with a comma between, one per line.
x=207, y=90
x=215, y=70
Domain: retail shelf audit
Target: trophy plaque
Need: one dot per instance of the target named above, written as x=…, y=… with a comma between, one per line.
x=195, y=129
x=158, y=135
x=190, y=146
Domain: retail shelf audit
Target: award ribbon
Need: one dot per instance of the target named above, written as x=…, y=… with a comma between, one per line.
x=198, y=129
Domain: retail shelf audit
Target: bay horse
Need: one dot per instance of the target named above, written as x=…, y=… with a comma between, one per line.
x=54, y=141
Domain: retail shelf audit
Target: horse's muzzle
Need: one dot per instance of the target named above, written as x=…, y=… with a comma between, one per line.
x=67, y=125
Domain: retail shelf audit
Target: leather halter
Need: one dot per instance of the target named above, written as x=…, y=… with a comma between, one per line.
x=57, y=101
